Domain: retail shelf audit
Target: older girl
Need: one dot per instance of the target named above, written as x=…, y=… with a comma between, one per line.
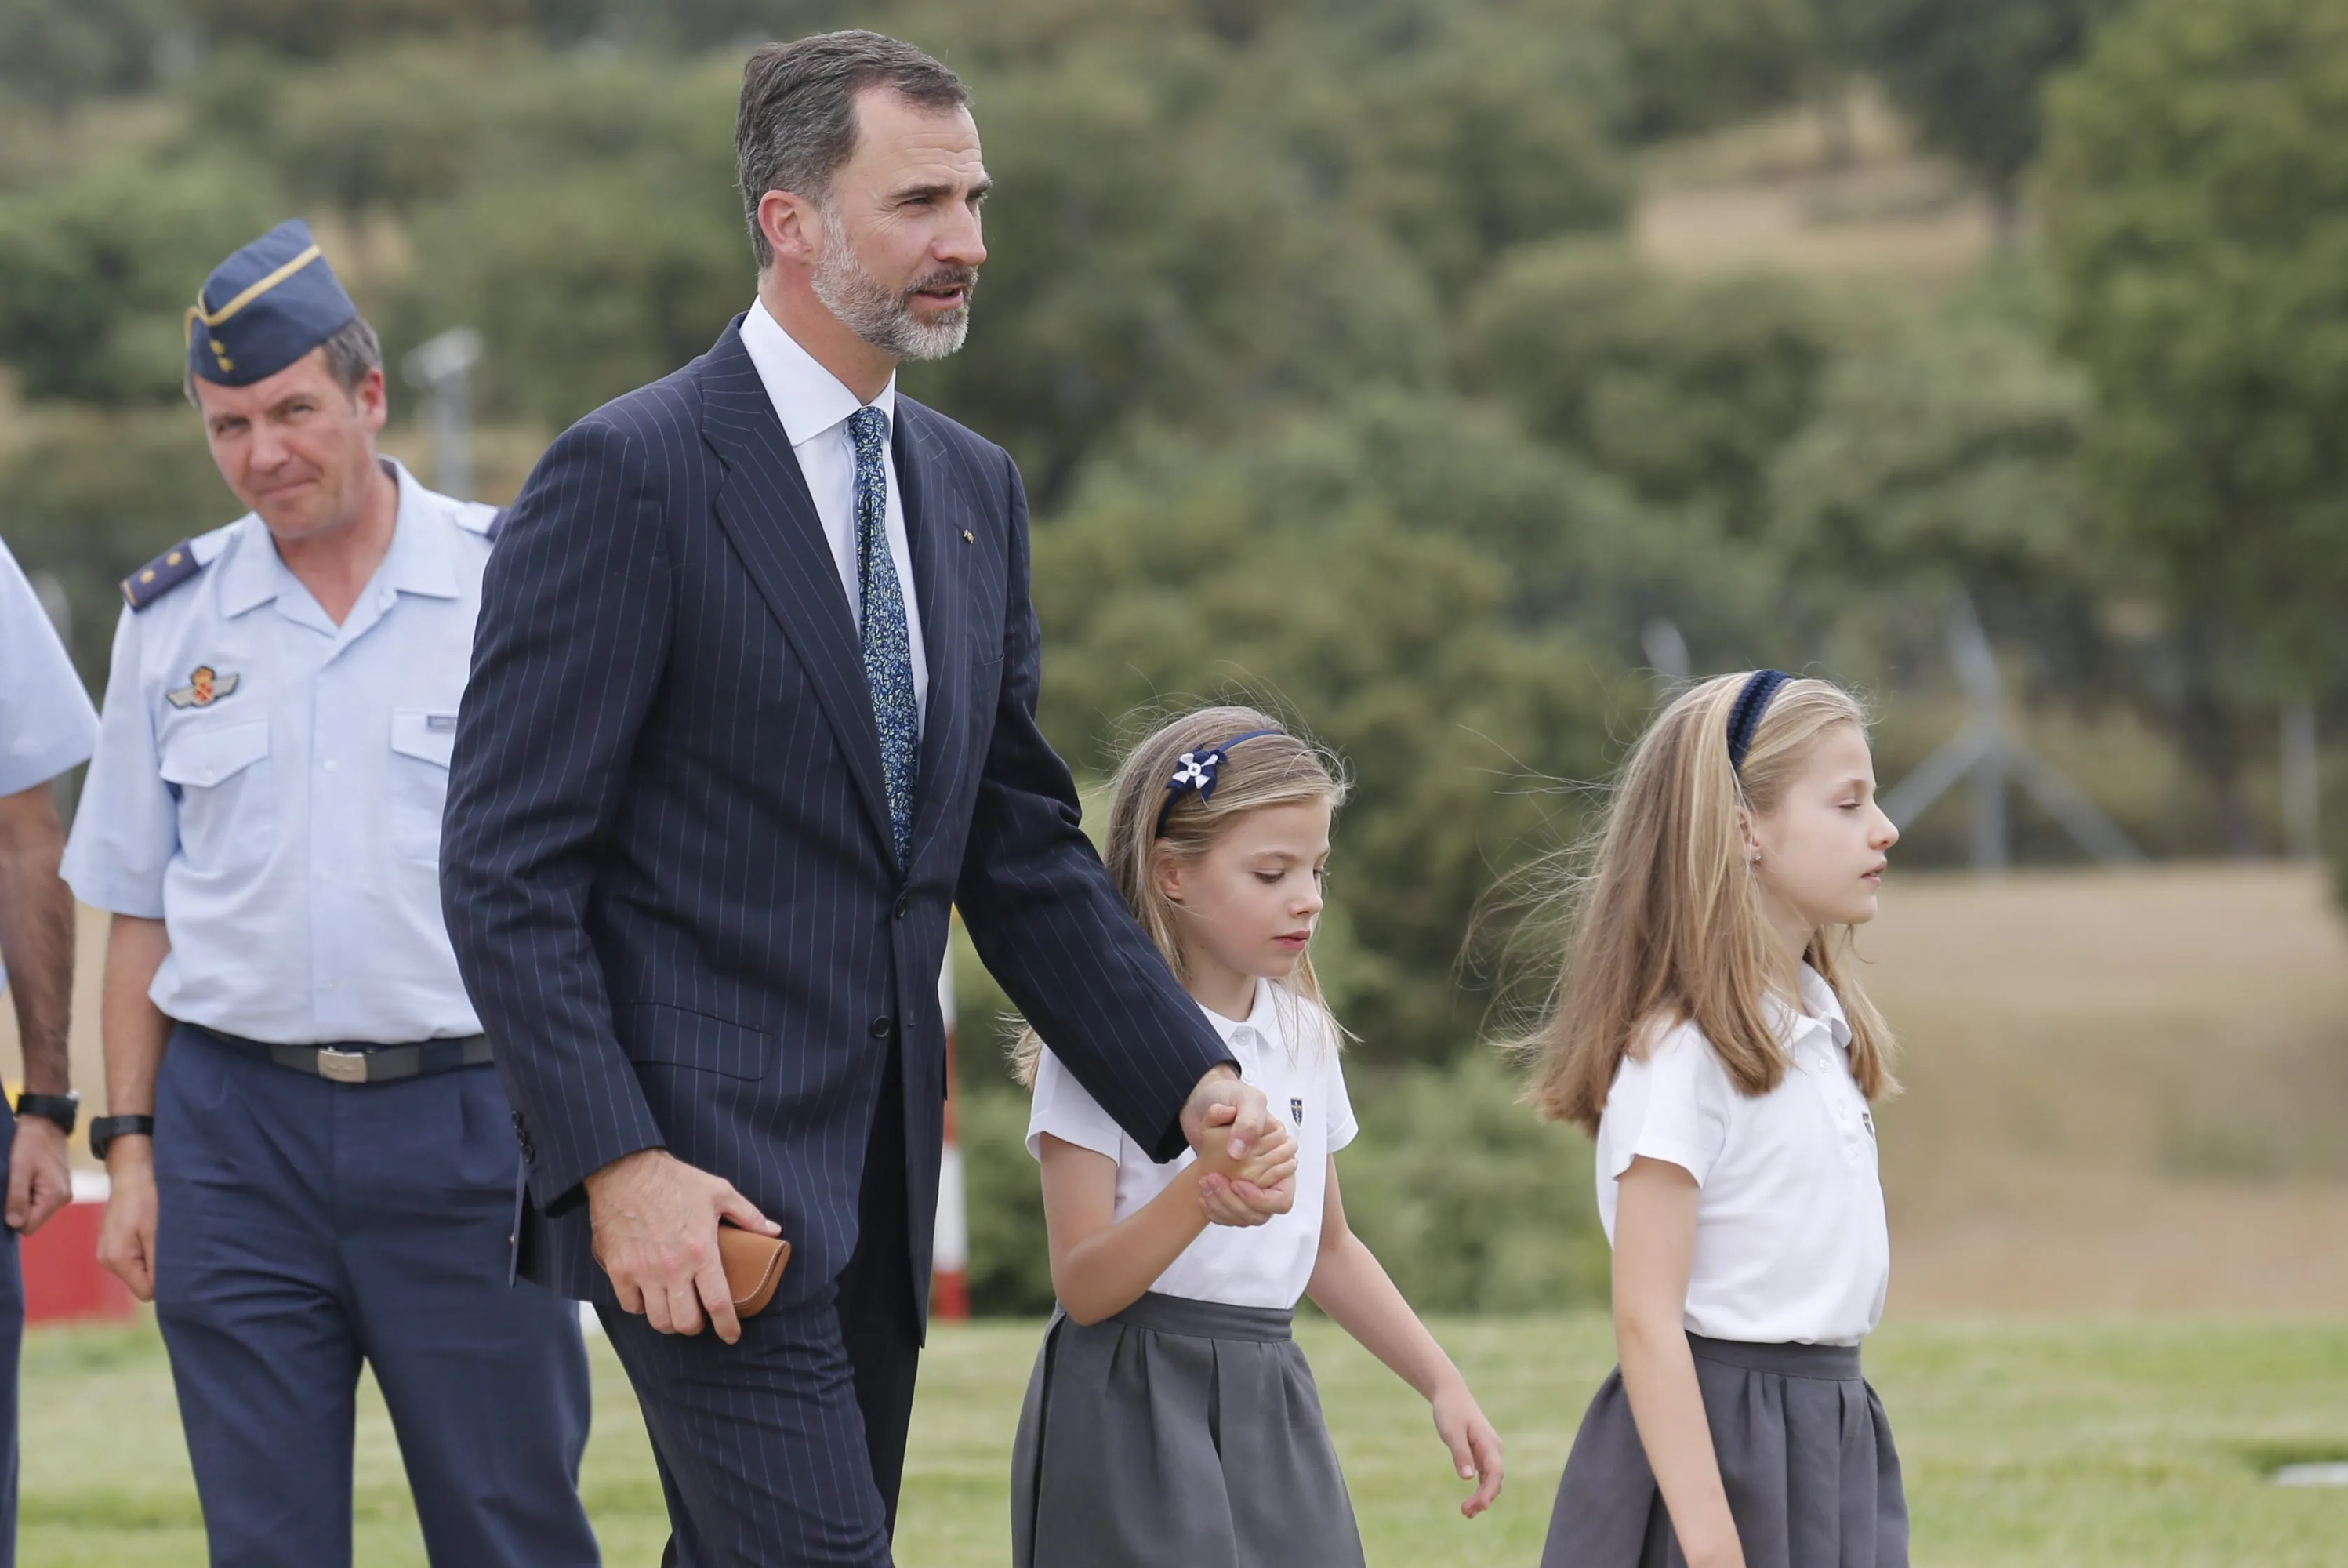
x=1709, y=1033
x=1172, y=1420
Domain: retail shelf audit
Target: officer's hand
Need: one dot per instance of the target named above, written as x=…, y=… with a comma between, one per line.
x=39, y=1181
x=125, y=1243
x=656, y=1224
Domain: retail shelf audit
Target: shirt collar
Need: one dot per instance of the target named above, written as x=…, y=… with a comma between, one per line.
x=419, y=560
x=808, y=399
x=1263, y=1019
x=1821, y=1005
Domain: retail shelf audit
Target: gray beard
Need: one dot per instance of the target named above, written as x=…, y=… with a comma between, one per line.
x=881, y=316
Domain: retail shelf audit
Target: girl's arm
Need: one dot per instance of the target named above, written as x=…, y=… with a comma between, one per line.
x=1098, y=1267
x=1350, y=1284
x=1655, y=1247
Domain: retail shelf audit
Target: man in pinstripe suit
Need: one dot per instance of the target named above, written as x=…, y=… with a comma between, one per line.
x=752, y=704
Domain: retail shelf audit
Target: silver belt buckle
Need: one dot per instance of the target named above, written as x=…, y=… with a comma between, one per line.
x=343, y=1066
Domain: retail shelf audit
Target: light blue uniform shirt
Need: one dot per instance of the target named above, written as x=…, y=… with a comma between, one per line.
x=46, y=724
x=269, y=785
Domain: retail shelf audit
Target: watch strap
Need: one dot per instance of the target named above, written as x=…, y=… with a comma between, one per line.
x=105, y=1130
x=61, y=1108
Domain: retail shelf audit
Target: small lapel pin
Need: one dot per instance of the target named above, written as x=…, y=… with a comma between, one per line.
x=968, y=537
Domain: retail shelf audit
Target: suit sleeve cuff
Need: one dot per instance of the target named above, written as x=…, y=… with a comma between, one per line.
x=1170, y=1142
x=557, y=1187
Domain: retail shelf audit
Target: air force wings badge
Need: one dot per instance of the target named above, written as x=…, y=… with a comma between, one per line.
x=206, y=686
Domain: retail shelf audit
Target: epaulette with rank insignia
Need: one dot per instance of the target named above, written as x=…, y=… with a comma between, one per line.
x=160, y=576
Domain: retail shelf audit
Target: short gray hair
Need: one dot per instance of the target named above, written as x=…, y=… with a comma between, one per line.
x=351, y=353
x=797, y=121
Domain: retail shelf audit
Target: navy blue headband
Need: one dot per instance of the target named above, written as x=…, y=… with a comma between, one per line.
x=1744, y=718
x=1196, y=770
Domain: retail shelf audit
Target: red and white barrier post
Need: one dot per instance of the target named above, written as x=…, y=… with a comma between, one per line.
x=950, y=1262
x=64, y=1280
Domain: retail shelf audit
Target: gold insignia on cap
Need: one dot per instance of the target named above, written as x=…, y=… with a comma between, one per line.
x=197, y=312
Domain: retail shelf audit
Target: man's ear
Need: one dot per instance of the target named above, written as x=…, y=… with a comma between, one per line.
x=369, y=399
x=792, y=225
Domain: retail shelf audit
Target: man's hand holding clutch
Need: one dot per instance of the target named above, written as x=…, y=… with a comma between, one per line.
x=655, y=1222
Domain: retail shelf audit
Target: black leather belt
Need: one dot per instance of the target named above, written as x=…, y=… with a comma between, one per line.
x=383, y=1063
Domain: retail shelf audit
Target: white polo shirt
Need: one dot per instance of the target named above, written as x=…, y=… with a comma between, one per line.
x=1286, y=1047
x=1791, y=1245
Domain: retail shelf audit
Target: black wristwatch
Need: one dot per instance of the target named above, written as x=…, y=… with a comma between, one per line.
x=60, y=1108
x=105, y=1130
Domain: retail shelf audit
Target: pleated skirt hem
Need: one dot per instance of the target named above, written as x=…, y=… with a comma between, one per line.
x=1176, y=1434
x=1806, y=1455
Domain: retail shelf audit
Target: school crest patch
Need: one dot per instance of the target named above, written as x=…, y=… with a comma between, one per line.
x=1297, y=1109
x=206, y=686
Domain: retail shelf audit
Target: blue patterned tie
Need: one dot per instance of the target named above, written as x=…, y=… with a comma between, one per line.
x=887, y=650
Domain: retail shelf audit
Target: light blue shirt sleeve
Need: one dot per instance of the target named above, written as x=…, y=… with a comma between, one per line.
x=47, y=725
x=127, y=826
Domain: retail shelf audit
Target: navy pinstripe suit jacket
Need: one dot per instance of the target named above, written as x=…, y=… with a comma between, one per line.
x=666, y=864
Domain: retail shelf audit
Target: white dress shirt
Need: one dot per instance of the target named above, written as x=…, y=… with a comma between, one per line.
x=1286, y=1047
x=285, y=827
x=47, y=725
x=814, y=406
x=1791, y=1246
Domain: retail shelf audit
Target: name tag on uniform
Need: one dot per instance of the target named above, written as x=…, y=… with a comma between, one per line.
x=440, y=723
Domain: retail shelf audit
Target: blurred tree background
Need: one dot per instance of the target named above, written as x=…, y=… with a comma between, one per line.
x=1351, y=366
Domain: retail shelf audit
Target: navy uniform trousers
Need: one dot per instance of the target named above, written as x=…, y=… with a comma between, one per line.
x=832, y=1376
x=305, y=1226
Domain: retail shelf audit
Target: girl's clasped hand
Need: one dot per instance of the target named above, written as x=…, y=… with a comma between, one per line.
x=1172, y=1418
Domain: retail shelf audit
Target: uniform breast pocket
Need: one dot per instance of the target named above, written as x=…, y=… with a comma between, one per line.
x=228, y=800
x=422, y=742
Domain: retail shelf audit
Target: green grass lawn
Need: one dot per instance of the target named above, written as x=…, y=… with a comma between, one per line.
x=2142, y=1442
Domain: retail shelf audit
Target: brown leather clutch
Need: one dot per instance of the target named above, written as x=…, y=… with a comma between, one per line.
x=754, y=1266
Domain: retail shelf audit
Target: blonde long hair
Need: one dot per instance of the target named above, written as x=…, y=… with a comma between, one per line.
x=1666, y=926
x=1276, y=769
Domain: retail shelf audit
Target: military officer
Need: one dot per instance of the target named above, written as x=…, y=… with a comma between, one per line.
x=313, y=1160
x=47, y=727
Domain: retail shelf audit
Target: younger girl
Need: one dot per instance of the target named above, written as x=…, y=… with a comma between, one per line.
x=1170, y=1419
x=1707, y=1032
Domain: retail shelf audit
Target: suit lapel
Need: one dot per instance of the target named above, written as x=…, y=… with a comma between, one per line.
x=934, y=526
x=764, y=506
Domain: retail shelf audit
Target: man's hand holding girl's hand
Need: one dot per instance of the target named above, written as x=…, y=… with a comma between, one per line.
x=1232, y=1192
x=1248, y=1158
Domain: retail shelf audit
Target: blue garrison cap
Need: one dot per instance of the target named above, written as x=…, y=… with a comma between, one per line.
x=265, y=307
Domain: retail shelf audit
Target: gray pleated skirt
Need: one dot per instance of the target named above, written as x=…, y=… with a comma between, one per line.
x=1805, y=1452
x=1176, y=1434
